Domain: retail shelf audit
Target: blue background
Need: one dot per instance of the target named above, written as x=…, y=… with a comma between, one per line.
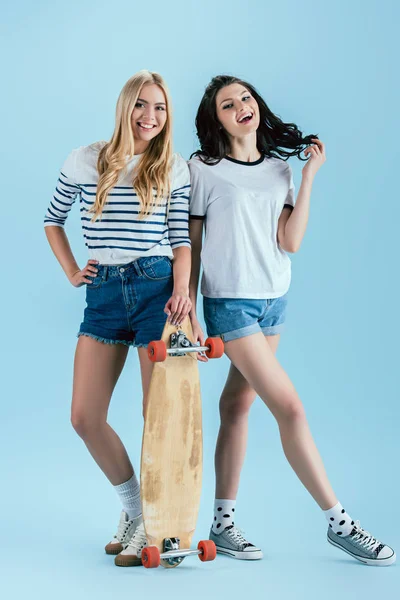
x=330, y=68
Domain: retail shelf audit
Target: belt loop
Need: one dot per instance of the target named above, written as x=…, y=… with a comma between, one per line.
x=105, y=273
x=137, y=268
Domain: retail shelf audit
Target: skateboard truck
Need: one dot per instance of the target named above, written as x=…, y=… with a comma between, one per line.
x=169, y=554
x=181, y=345
x=173, y=555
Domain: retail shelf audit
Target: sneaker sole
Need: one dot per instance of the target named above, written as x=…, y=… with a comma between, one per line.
x=114, y=549
x=373, y=562
x=254, y=555
x=127, y=561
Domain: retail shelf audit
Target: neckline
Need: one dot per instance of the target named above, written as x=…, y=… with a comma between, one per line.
x=247, y=164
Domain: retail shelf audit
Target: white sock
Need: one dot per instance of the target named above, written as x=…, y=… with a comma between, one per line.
x=224, y=514
x=339, y=521
x=129, y=494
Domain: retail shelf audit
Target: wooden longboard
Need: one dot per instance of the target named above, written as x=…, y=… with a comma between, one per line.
x=172, y=449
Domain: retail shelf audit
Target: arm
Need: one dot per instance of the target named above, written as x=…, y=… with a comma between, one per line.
x=65, y=193
x=196, y=234
x=59, y=243
x=293, y=222
x=178, y=306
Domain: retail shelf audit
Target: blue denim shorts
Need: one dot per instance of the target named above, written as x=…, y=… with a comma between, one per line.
x=233, y=318
x=125, y=304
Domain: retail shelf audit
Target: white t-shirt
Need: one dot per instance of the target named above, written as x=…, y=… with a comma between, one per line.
x=119, y=236
x=241, y=204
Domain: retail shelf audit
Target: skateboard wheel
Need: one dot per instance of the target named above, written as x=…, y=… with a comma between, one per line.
x=151, y=557
x=216, y=347
x=157, y=351
x=209, y=550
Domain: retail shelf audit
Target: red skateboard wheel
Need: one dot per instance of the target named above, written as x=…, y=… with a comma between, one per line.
x=151, y=557
x=216, y=347
x=157, y=351
x=209, y=550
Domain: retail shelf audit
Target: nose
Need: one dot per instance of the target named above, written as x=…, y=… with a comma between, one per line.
x=149, y=113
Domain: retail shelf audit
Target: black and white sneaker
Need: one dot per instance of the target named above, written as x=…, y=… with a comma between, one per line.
x=360, y=544
x=231, y=542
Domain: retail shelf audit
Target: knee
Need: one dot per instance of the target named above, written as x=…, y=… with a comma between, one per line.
x=235, y=407
x=291, y=409
x=84, y=424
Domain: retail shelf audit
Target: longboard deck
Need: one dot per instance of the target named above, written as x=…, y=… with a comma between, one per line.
x=172, y=452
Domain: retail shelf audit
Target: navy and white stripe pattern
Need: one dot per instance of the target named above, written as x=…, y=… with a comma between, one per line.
x=119, y=235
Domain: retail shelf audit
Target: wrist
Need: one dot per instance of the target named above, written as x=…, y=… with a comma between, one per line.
x=181, y=290
x=73, y=271
x=308, y=178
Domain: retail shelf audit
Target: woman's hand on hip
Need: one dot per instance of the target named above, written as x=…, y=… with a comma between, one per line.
x=81, y=277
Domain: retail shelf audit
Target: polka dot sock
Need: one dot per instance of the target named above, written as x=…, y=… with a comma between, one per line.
x=339, y=521
x=224, y=514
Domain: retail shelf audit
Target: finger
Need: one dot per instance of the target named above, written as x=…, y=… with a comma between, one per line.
x=91, y=270
x=178, y=318
x=320, y=144
x=84, y=280
x=187, y=305
x=93, y=262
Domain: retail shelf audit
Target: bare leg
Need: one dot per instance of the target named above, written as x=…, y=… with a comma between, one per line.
x=96, y=371
x=146, y=369
x=236, y=400
x=255, y=360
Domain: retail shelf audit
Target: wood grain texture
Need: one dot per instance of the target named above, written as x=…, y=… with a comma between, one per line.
x=171, y=463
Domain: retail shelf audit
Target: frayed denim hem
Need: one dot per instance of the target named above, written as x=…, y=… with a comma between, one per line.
x=104, y=340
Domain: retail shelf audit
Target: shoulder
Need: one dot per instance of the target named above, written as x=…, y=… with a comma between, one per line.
x=85, y=155
x=198, y=168
x=280, y=166
x=178, y=164
x=90, y=154
x=180, y=175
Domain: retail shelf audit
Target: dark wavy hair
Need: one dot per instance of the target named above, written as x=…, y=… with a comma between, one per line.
x=274, y=137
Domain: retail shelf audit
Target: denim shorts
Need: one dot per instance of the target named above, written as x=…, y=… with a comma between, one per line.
x=233, y=318
x=125, y=303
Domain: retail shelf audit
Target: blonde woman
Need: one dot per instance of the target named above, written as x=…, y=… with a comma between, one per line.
x=134, y=209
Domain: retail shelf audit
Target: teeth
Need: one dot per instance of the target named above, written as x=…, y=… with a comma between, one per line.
x=146, y=126
x=244, y=117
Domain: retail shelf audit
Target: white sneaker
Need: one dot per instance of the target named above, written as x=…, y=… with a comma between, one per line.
x=126, y=529
x=132, y=555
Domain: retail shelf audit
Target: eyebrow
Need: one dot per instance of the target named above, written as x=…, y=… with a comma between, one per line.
x=242, y=92
x=145, y=102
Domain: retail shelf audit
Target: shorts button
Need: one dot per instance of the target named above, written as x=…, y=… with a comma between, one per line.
x=121, y=270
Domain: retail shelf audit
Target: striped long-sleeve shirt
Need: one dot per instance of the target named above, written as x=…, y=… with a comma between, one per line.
x=119, y=237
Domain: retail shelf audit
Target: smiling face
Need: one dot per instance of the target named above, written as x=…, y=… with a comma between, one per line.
x=237, y=110
x=149, y=115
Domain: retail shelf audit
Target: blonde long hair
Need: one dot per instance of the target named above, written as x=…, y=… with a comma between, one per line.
x=154, y=167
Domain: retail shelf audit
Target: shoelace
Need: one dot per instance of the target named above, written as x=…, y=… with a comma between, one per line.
x=122, y=528
x=364, y=539
x=138, y=540
x=237, y=535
